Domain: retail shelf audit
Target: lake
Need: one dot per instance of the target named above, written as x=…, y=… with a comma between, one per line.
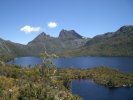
x=87, y=89
x=124, y=64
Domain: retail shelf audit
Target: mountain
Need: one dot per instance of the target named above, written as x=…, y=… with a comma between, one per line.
x=70, y=43
x=45, y=42
x=10, y=49
x=69, y=35
x=67, y=40
x=119, y=43
x=71, y=39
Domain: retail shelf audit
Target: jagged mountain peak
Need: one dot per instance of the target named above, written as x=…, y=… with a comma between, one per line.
x=63, y=30
x=42, y=37
x=69, y=35
x=43, y=34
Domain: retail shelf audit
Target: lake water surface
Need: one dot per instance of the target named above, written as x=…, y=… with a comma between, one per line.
x=87, y=89
x=124, y=64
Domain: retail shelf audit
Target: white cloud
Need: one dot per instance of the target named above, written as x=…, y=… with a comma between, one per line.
x=28, y=29
x=52, y=24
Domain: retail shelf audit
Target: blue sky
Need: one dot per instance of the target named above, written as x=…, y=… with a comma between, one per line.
x=23, y=20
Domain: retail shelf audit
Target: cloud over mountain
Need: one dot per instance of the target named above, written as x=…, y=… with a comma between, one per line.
x=28, y=29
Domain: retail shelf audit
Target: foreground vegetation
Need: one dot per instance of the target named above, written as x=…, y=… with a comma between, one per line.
x=38, y=83
x=46, y=82
x=27, y=84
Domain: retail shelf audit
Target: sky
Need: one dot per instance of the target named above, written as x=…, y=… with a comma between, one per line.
x=22, y=20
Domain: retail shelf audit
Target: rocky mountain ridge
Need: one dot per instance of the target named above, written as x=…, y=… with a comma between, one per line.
x=119, y=43
x=70, y=43
x=67, y=40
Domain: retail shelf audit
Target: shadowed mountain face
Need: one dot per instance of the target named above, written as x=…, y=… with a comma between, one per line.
x=70, y=43
x=69, y=35
x=45, y=42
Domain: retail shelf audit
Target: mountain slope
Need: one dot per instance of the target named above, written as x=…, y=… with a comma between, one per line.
x=119, y=43
x=45, y=42
x=10, y=49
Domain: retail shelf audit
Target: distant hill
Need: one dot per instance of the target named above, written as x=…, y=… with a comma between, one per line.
x=10, y=49
x=119, y=43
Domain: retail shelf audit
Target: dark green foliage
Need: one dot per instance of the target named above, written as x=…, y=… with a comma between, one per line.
x=33, y=91
x=101, y=75
x=1, y=91
x=67, y=82
x=110, y=83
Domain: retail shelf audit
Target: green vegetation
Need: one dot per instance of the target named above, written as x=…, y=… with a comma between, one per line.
x=5, y=58
x=46, y=82
x=38, y=83
x=101, y=75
